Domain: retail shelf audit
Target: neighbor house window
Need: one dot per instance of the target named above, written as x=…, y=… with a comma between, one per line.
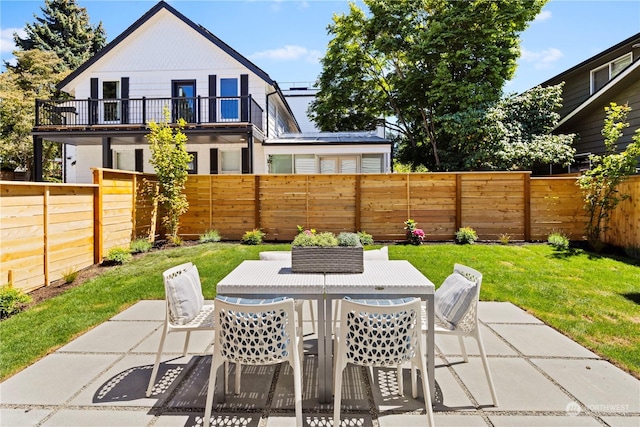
x=111, y=95
x=331, y=164
x=281, y=163
x=372, y=163
x=125, y=160
x=229, y=105
x=231, y=161
x=304, y=163
x=192, y=167
x=601, y=75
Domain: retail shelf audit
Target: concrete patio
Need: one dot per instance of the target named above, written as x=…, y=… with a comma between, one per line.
x=542, y=379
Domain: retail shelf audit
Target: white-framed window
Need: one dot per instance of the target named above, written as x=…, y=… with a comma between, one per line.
x=601, y=75
x=281, y=163
x=125, y=160
x=339, y=164
x=111, y=96
x=372, y=163
x=230, y=161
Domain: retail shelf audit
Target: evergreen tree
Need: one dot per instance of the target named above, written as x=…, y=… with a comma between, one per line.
x=64, y=29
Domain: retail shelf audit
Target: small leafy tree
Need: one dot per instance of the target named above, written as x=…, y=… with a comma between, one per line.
x=170, y=159
x=600, y=184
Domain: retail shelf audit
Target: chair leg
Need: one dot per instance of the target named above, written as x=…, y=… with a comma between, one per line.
x=156, y=364
x=425, y=388
x=463, y=349
x=400, y=380
x=337, y=397
x=487, y=372
x=238, y=376
x=313, y=317
x=297, y=387
x=215, y=364
x=186, y=344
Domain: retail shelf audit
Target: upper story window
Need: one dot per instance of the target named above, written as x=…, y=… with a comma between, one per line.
x=110, y=94
x=601, y=75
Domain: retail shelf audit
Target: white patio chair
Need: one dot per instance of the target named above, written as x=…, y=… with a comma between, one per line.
x=286, y=256
x=256, y=332
x=456, y=313
x=185, y=309
x=381, y=333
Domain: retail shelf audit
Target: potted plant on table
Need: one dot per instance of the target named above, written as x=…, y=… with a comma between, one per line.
x=323, y=252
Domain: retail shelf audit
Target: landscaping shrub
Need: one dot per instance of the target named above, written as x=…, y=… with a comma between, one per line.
x=253, y=237
x=348, y=239
x=139, y=246
x=504, y=238
x=119, y=256
x=12, y=301
x=210, y=236
x=466, y=235
x=415, y=235
x=558, y=240
x=69, y=275
x=365, y=238
x=310, y=238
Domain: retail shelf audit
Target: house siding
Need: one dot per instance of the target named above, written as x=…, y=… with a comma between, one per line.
x=162, y=50
x=589, y=129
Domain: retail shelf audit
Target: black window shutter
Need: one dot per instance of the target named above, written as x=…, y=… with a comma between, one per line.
x=213, y=161
x=93, y=105
x=213, y=92
x=246, y=160
x=244, y=93
x=124, y=104
x=139, y=160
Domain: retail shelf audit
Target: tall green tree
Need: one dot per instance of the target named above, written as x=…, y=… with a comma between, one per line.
x=64, y=28
x=34, y=76
x=417, y=65
x=170, y=159
x=515, y=133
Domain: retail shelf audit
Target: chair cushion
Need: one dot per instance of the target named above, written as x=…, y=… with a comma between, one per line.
x=381, y=254
x=275, y=256
x=184, y=293
x=381, y=302
x=452, y=299
x=249, y=301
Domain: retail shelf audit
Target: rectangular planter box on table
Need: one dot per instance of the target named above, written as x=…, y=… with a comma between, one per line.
x=335, y=259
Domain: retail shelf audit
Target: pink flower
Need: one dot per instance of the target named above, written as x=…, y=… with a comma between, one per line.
x=419, y=233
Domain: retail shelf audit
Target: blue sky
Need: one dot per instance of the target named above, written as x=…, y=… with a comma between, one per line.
x=286, y=37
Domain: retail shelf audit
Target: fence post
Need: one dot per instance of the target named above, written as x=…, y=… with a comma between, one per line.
x=45, y=220
x=97, y=216
x=358, y=202
x=458, y=201
x=134, y=203
x=256, y=201
x=527, y=206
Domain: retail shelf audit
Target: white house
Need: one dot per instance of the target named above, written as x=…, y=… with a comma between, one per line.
x=239, y=119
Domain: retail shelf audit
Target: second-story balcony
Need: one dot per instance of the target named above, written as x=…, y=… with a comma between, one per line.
x=198, y=111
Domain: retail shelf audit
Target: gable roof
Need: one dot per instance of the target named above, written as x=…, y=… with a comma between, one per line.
x=198, y=28
x=628, y=41
x=628, y=76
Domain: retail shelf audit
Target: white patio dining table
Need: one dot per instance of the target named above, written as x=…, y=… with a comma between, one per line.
x=380, y=279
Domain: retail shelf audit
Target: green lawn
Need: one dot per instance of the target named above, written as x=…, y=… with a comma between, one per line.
x=592, y=299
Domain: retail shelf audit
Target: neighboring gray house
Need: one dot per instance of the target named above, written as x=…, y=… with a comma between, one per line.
x=610, y=76
x=235, y=112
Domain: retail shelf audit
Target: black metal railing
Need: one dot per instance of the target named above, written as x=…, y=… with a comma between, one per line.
x=140, y=111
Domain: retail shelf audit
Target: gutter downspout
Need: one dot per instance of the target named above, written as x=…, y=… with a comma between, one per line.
x=268, y=95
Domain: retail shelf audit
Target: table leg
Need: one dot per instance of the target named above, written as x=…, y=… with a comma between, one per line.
x=322, y=351
x=431, y=344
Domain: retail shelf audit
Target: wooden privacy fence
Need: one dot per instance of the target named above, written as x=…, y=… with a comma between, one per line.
x=492, y=203
x=47, y=229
